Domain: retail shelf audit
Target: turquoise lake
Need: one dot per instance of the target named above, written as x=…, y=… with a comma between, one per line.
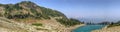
x=88, y=28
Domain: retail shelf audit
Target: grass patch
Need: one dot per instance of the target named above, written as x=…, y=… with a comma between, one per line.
x=40, y=29
x=113, y=25
x=37, y=24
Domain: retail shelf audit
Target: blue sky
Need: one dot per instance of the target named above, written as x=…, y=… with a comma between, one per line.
x=79, y=8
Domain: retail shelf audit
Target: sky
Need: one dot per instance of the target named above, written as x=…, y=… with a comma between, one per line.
x=79, y=8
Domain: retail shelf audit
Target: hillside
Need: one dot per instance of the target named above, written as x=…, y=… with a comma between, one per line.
x=113, y=27
x=36, y=17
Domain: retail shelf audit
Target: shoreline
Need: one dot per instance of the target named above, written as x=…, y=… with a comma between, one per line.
x=75, y=27
x=99, y=30
x=111, y=29
x=70, y=29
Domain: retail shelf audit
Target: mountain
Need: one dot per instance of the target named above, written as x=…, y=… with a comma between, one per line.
x=29, y=17
x=27, y=9
x=98, y=19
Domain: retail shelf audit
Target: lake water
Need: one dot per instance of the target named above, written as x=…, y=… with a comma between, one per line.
x=88, y=28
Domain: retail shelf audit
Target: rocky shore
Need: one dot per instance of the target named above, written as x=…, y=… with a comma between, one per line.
x=111, y=29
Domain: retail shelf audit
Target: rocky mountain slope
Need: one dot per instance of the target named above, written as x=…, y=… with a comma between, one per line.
x=26, y=16
x=112, y=27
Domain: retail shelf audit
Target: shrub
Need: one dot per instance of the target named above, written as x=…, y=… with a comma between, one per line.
x=69, y=22
x=37, y=24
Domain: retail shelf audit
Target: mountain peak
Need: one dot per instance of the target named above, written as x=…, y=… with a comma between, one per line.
x=27, y=2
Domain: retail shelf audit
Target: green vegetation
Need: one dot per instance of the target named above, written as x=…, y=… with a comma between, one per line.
x=17, y=7
x=20, y=16
x=1, y=4
x=10, y=7
x=114, y=24
x=28, y=9
x=46, y=12
x=51, y=13
x=37, y=24
x=69, y=22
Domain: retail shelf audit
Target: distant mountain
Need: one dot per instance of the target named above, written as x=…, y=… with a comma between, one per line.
x=98, y=20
